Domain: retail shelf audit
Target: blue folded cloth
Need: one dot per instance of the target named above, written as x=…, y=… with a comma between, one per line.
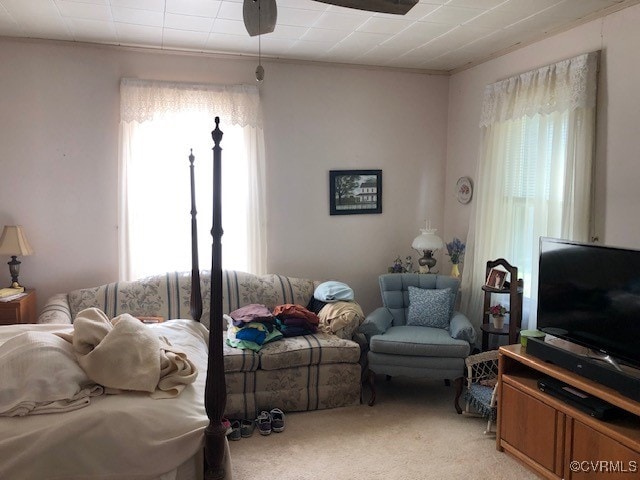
x=333, y=291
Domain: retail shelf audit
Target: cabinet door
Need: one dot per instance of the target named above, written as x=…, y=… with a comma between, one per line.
x=531, y=427
x=595, y=455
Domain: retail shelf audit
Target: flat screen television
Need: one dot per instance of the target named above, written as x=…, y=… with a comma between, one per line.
x=590, y=295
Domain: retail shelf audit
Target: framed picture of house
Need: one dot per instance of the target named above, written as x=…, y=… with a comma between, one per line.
x=355, y=192
x=496, y=278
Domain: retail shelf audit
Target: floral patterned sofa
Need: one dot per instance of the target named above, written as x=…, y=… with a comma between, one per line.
x=294, y=374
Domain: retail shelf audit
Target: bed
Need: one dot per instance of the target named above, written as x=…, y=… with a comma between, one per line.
x=131, y=435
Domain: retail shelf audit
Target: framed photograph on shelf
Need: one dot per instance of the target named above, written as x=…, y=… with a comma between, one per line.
x=355, y=192
x=496, y=279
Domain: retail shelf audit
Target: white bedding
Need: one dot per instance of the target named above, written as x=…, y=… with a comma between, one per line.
x=125, y=436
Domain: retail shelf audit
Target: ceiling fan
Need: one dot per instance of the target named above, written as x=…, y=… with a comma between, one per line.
x=260, y=15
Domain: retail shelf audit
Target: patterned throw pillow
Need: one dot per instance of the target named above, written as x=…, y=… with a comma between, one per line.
x=429, y=307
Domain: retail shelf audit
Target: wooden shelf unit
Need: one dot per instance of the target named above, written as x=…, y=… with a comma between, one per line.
x=514, y=290
x=547, y=434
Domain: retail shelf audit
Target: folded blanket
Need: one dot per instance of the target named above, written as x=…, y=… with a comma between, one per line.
x=40, y=374
x=341, y=318
x=125, y=354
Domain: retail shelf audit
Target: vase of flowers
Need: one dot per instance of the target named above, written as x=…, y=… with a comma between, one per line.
x=455, y=250
x=497, y=313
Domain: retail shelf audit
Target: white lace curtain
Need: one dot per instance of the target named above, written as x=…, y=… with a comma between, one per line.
x=161, y=122
x=534, y=173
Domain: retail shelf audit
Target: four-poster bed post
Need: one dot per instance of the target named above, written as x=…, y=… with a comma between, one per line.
x=215, y=389
x=195, y=305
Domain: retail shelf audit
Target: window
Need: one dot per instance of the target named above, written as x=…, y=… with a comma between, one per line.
x=155, y=200
x=534, y=172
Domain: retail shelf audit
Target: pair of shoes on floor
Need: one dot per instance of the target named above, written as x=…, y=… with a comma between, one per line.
x=240, y=429
x=227, y=425
x=270, y=421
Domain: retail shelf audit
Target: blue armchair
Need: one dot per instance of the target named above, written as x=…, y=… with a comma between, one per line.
x=417, y=333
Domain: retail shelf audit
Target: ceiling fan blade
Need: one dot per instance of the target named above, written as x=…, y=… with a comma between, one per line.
x=397, y=7
x=259, y=16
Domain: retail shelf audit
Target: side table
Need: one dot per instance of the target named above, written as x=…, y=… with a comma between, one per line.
x=20, y=310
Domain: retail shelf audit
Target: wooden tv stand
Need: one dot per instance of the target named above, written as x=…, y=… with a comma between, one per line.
x=555, y=439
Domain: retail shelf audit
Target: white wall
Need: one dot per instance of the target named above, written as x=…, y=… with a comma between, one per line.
x=59, y=147
x=618, y=124
x=351, y=119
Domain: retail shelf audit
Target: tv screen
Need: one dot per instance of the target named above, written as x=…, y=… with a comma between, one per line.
x=590, y=295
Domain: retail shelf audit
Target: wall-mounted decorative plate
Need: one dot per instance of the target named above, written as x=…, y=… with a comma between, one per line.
x=464, y=190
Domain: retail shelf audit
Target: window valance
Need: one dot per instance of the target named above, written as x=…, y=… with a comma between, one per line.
x=562, y=86
x=141, y=100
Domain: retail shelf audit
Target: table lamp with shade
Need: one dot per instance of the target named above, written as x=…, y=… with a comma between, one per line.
x=425, y=244
x=14, y=242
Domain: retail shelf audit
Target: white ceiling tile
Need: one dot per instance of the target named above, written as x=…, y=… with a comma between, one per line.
x=230, y=11
x=418, y=55
x=434, y=34
x=376, y=55
x=348, y=11
x=94, y=2
x=363, y=40
x=528, y=6
x=339, y=21
x=183, y=39
x=573, y=9
x=452, y=15
x=385, y=25
x=311, y=49
x=483, y=4
x=92, y=30
x=137, y=17
x=88, y=11
x=324, y=35
x=273, y=46
x=304, y=4
x=11, y=28
x=418, y=12
x=298, y=17
x=383, y=50
x=232, y=27
x=401, y=62
x=138, y=34
x=54, y=28
x=497, y=18
x=23, y=10
x=8, y=26
x=151, y=5
x=202, y=8
x=338, y=56
x=455, y=39
x=287, y=31
x=540, y=22
x=190, y=23
x=417, y=34
x=232, y=43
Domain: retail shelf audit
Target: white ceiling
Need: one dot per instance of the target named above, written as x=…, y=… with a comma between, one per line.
x=444, y=35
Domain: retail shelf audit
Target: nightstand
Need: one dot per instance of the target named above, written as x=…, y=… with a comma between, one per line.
x=21, y=310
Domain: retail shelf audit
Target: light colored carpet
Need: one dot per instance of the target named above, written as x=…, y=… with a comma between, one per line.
x=412, y=433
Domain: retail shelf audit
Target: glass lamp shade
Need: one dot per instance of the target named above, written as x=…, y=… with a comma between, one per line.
x=427, y=241
x=425, y=244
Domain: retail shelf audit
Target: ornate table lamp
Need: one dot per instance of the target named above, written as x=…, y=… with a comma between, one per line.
x=14, y=242
x=425, y=244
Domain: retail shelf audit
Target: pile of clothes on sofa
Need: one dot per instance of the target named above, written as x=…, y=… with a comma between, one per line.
x=332, y=309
